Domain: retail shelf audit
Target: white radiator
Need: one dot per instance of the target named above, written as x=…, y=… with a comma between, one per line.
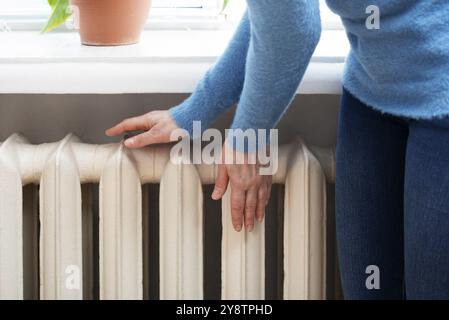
x=60, y=168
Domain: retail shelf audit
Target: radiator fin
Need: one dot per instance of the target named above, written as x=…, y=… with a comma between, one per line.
x=181, y=233
x=11, y=266
x=60, y=216
x=243, y=258
x=121, y=275
x=304, y=227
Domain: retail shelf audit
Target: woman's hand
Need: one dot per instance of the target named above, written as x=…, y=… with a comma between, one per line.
x=250, y=191
x=158, y=127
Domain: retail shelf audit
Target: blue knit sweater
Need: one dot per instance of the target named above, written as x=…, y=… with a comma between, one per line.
x=402, y=68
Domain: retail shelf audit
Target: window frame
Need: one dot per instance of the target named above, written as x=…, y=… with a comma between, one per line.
x=198, y=14
x=196, y=17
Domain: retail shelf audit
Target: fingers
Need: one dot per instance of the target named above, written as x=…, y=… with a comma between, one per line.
x=152, y=136
x=221, y=183
x=250, y=208
x=130, y=124
x=261, y=202
x=237, y=207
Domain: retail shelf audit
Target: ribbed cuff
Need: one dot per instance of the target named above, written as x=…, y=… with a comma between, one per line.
x=188, y=112
x=250, y=140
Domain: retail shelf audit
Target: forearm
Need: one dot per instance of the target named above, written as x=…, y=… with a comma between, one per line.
x=221, y=87
x=283, y=38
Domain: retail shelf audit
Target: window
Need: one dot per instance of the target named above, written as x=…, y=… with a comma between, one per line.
x=32, y=14
x=329, y=19
x=40, y=7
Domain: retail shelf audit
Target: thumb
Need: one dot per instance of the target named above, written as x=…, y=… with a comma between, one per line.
x=221, y=183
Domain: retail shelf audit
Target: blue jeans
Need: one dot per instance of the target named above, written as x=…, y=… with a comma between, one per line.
x=392, y=204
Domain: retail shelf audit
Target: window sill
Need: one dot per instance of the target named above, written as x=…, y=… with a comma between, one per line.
x=163, y=62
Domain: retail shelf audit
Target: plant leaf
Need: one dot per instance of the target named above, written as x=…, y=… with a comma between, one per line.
x=52, y=3
x=225, y=4
x=60, y=13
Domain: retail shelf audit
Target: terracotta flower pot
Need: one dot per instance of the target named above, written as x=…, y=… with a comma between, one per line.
x=111, y=22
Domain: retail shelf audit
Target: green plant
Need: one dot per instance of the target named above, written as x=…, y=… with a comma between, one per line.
x=60, y=12
x=225, y=4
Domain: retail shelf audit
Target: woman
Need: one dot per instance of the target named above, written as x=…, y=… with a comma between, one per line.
x=392, y=188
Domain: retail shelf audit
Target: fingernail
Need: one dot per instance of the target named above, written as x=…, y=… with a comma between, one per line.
x=260, y=219
x=238, y=228
x=129, y=142
x=215, y=195
x=250, y=227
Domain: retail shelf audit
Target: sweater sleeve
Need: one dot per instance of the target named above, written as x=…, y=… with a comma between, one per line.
x=221, y=86
x=284, y=35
